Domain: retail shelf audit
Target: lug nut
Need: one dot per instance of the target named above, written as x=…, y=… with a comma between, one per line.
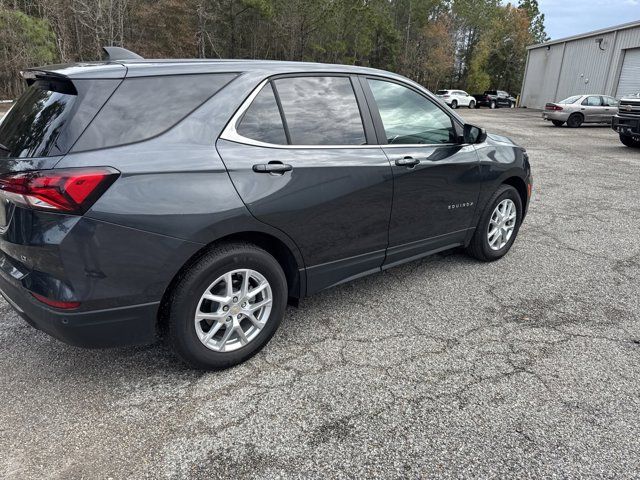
x=228, y=319
x=244, y=304
x=235, y=299
x=225, y=308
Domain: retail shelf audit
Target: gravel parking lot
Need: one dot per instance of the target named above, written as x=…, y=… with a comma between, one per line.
x=446, y=367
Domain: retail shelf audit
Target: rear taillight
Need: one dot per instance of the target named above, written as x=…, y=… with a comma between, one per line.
x=552, y=107
x=71, y=190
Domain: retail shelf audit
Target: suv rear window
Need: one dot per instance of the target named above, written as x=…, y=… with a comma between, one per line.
x=144, y=107
x=490, y=92
x=50, y=116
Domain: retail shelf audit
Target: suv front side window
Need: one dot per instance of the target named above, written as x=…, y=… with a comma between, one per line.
x=410, y=118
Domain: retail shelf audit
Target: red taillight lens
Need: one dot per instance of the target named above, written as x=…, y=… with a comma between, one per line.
x=71, y=190
x=553, y=107
x=56, y=303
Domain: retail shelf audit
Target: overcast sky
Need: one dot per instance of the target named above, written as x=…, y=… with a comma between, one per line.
x=564, y=18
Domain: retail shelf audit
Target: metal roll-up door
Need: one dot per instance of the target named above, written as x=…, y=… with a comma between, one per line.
x=630, y=75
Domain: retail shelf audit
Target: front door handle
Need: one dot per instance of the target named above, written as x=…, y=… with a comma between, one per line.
x=272, y=167
x=408, y=162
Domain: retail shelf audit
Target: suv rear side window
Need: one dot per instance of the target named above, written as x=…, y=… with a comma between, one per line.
x=410, y=118
x=262, y=120
x=321, y=110
x=143, y=107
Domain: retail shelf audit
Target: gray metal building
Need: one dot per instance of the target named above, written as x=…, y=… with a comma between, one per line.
x=605, y=61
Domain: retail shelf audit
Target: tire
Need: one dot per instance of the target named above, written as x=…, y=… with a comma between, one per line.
x=472, y=104
x=477, y=107
x=493, y=105
x=557, y=123
x=512, y=105
x=575, y=120
x=187, y=297
x=629, y=141
x=454, y=104
x=479, y=246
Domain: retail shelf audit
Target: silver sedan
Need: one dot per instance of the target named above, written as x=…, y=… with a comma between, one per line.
x=579, y=109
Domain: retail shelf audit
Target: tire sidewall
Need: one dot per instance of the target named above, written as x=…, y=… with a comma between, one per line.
x=472, y=104
x=186, y=299
x=493, y=105
x=454, y=104
x=505, y=192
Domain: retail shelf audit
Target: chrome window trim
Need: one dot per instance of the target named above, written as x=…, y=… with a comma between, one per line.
x=231, y=134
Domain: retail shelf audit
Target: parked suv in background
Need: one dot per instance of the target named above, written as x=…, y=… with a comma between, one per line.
x=197, y=198
x=627, y=121
x=494, y=99
x=579, y=109
x=456, y=98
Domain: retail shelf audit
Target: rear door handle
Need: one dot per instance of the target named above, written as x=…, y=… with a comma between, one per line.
x=408, y=162
x=272, y=167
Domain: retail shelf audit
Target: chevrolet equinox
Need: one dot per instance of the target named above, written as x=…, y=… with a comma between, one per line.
x=194, y=199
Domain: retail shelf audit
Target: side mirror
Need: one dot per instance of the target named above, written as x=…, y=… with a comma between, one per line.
x=473, y=134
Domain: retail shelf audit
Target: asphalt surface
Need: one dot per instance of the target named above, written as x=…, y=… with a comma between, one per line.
x=446, y=367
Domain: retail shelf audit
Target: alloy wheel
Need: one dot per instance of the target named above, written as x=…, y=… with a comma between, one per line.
x=233, y=310
x=502, y=224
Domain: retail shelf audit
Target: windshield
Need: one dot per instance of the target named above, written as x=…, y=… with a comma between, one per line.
x=490, y=92
x=32, y=127
x=573, y=99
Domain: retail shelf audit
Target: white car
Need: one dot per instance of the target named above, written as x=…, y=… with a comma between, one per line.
x=457, y=98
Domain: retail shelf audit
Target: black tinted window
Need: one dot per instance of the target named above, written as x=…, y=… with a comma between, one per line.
x=262, y=120
x=321, y=111
x=410, y=118
x=37, y=119
x=143, y=107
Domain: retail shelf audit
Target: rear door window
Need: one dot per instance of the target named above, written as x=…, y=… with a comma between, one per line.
x=320, y=110
x=410, y=118
x=144, y=107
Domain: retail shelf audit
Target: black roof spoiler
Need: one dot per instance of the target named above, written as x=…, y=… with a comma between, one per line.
x=119, y=53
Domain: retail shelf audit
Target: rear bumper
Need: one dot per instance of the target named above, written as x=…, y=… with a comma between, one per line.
x=132, y=325
x=626, y=125
x=555, y=115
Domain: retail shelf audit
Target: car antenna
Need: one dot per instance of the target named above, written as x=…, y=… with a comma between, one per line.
x=119, y=53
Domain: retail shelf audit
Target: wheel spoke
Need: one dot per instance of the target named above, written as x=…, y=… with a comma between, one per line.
x=257, y=306
x=245, y=284
x=257, y=290
x=216, y=298
x=243, y=337
x=212, y=331
x=256, y=323
x=210, y=315
x=228, y=278
x=225, y=338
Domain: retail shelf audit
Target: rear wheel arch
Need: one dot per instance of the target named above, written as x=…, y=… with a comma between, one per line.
x=271, y=244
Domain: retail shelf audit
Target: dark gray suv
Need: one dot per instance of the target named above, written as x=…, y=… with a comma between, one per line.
x=194, y=199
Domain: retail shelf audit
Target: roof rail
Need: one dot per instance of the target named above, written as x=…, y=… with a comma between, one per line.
x=119, y=53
